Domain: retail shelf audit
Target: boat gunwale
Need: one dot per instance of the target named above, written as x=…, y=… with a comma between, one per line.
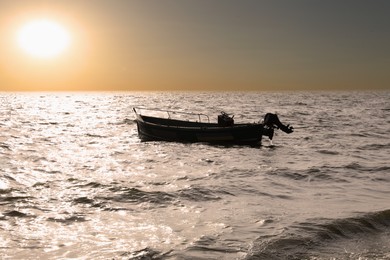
x=201, y=125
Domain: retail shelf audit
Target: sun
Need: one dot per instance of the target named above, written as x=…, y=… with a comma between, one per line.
x=43, y=38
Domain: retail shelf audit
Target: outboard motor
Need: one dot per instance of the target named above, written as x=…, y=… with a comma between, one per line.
x=225, y=120
x=272, y=121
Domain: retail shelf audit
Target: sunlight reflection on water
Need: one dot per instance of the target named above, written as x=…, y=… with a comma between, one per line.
x=77, y=182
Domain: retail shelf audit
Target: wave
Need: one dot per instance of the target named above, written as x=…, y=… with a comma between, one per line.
x=343, y=173
x=117, y=199
x=68, y=220
x=374, y=147
x=201, y=194
x=129, y=121
x=314, y=238
x=5, y=146
x=361, y=168
x=323, y=174
x=113, y=197
x=146, y=253
x=15, y=213
x=12, y=199
x=95, y=135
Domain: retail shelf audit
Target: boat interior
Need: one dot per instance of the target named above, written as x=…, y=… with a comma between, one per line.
x=175, y=122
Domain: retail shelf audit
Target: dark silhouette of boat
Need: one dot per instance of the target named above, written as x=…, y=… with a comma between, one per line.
x=224, y=131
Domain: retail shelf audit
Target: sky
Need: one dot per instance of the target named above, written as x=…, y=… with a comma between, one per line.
x=224, y=45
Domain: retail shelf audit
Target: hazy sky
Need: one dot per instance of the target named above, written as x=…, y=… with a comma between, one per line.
x=202, y=45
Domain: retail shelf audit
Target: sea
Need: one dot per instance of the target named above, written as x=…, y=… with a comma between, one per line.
x=76, y=182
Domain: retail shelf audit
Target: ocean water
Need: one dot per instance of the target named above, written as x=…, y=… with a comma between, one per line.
x=76, y=182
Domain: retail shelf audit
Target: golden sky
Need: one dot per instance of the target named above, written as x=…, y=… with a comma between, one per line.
x=199, y=45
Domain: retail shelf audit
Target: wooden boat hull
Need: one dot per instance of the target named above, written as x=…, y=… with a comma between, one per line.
x=160, y=129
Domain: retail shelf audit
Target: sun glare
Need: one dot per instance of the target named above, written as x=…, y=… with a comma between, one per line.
x=43, y=38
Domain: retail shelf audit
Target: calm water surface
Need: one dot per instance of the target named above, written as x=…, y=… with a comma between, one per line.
x=76, y=182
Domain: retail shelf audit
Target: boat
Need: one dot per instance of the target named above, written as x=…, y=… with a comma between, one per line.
x=224, y=131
